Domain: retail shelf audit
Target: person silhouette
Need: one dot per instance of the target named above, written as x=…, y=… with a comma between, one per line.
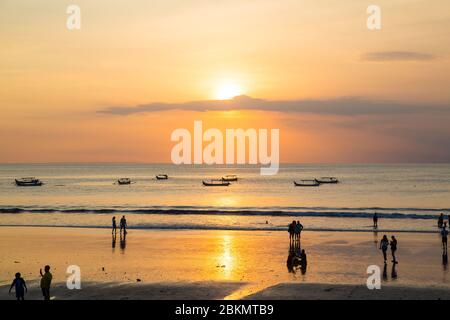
x=375, y=220
x=123, y=225
x=19, y=286
x=114, y=225
x=384, y=243
x=393, y=249
x=46, y=280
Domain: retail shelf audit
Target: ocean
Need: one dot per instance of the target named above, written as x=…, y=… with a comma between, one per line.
x=406, y=197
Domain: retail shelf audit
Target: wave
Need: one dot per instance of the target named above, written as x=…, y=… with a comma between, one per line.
x=344, y=212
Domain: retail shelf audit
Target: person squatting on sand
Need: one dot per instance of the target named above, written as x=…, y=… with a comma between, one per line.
x=46, y=280
x=19, y=286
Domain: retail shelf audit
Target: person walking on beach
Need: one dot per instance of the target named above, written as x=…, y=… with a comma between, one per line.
x=375, y=220
x=441, y=220
x=444, y=234
x=123, y=225
x=19, y=286
x=384, y=243
x=46, y=280
x=393, y=249
x=114, y=225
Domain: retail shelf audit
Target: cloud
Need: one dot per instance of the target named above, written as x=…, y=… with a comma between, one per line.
x=347, y=106
x=397, y=56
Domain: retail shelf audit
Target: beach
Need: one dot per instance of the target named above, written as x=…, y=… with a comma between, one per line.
x=214, y=264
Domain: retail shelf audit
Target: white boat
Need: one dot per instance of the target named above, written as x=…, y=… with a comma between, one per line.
x=230, y=177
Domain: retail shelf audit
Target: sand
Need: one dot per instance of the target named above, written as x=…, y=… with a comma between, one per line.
x=219, y=264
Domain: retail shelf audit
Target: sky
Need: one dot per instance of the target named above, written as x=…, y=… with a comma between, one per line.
x=116, y=89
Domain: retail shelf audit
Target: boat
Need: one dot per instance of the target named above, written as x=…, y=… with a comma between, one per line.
x=307, y=183
x=230, y=177
x=124, y=181
x=216, y=183
x=162, y=177
x=328, y=180
x=28, y=182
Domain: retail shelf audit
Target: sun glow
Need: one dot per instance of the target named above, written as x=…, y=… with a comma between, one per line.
x=228, y=91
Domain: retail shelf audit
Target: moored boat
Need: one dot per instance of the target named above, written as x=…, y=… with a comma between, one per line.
x=28, y=182
x=328, y=180
x=162, y=177
x=230, y=177
x=124, y=181
x=215, y=183
x=307, y=183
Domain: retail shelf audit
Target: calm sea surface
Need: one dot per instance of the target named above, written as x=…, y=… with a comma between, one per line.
x=407, y=197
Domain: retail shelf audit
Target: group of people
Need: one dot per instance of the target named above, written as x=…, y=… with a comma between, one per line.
x=123, y=225
x=20, y=286
x=295, y=230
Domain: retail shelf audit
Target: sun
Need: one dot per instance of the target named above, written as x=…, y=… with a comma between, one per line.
x=228, y=91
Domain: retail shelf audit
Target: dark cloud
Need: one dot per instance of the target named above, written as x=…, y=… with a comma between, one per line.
x=397, y=56
x=348, y=106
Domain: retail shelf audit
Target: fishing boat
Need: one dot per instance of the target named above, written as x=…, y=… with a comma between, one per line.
x=328, y=180
x=307, y=183
x=124, y=181
x=162, y=177
x=216, y=183
x=230, y=177
x=28, y=182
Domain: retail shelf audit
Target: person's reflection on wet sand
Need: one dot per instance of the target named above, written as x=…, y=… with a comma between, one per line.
x=375, y=238
x=113, y=244
x=444, y=259
x=123, y=241
x=296, y=258
x=385, y=274
x=394, y=271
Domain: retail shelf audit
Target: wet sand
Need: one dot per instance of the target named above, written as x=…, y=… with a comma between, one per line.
x=219, y=264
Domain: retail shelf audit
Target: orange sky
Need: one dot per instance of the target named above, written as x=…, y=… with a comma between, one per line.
x=58, y=88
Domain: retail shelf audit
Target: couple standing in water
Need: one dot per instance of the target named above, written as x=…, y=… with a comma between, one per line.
x=123, y=225
x=384, y=244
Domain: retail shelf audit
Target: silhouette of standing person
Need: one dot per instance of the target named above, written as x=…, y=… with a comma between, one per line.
x=123, y=225
x=298, y=230
x=291, y=230
x=114, y=225
x=375, y=220
x=46, y=280
x=19, y=286
x=444, y=235
x=393, y=249
x=384, y=243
